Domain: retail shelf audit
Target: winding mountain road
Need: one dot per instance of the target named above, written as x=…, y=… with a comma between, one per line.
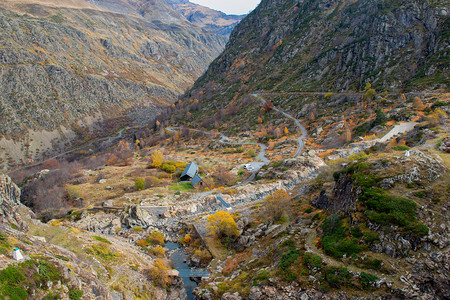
x=261, y=156
x=302, y=129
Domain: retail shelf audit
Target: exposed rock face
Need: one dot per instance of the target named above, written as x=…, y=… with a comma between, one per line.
x=10, y=206
x=416, y=167
x=318, y=45
x=65, y=67
x=134, y=215
x=104, y=223
x=445, y=145
x=429, y=282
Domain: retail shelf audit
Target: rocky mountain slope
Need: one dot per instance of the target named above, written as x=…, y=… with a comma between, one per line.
x=72, y=64
x=204, y=17
x=63, y=262
x=318, y=46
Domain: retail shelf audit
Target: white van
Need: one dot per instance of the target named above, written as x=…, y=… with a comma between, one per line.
x=248, y=167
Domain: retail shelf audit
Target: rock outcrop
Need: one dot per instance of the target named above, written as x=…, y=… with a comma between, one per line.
x=11, y=209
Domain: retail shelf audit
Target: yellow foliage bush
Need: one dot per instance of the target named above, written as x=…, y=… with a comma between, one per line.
x=157, y=159
x=158, y=251
x=158, y=273
x=276, y=204
x=142, y=243
x=155, y=238
x=186, y=240
x=222, y=224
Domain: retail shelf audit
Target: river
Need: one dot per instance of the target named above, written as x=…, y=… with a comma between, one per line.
x=179, y=259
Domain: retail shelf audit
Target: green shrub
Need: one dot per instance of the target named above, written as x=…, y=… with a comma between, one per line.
x=401, y=148
x=335, y=241
x=336, y=277
x=288, y=243
x=312, y=260
x=139, y=183
x=418, y=229
x=261, y=277
x=289, y=259
x=367, y=280
x=388, y=209
x=276, y=164
x=337, y=247
x=356, y=232
x=5, y=247
x=420, y=194
x=383, y=208
x=370, y=236
x=74, y=215
x=374, y=264
x=438, y=104
x=239, y=150
x=380, y=118
x=75, y=294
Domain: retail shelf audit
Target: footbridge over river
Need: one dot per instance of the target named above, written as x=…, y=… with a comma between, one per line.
x=193, y=273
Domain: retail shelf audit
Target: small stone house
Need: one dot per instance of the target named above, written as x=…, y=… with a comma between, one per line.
x=197, y=181
x=189, y=172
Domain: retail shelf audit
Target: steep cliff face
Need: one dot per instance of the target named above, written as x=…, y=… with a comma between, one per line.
x=65, y=64
x=10, y=205
x=315, y=45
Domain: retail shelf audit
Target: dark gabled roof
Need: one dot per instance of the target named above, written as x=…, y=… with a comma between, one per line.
x=196, y=180
x=190, y=170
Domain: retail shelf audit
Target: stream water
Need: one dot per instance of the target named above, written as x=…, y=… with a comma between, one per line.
x=179, y=257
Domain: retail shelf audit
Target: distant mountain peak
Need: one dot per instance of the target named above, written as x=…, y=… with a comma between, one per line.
x=206, y=18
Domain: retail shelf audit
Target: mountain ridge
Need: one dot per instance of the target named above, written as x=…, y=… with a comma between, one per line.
x=322, y=46
x=66, y=71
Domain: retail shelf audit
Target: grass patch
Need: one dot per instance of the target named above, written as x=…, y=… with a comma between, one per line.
x=19, y=281
x=75, y=294
x=182, y=187
x=103, y=252
x=367, y=280
x=401, y=148
x=100, y=239
x=5, y=247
